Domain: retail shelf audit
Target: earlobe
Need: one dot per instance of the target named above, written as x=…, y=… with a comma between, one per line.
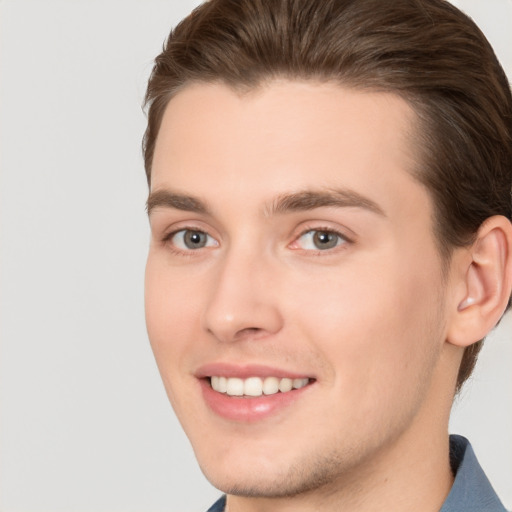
x=487, y=283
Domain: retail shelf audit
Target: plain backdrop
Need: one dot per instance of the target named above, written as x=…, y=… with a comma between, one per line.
x=85, y=424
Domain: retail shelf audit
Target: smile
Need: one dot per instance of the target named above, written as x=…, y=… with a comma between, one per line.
x=251, y=393
x=255, y=386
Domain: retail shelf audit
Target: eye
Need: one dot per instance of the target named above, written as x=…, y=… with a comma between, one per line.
x=319, y=240
x=189, y=239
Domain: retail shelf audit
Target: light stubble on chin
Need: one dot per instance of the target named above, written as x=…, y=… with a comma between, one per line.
x=314, y=475
x=299, y=480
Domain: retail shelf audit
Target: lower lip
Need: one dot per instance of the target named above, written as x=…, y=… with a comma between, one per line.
x=248, y=409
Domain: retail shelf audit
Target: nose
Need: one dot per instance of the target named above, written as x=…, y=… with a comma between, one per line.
x=243, y=304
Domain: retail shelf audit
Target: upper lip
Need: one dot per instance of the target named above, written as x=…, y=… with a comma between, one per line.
x=245, y=371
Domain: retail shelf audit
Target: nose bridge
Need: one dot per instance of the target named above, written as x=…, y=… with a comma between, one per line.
x=241, y=301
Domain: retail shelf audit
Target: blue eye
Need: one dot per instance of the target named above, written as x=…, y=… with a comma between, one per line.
x=189, y=239
x=320, y=240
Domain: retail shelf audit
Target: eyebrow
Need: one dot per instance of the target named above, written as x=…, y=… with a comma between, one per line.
x=297, y=201
x=169, y=199
x=311, y=199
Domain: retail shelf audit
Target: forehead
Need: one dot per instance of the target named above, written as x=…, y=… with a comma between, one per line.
x=282, y=137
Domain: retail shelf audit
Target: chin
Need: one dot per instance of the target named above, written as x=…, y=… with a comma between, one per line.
x=255, y=485
x=273, y=478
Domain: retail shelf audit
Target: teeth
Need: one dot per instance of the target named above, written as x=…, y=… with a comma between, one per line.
x=252, y=386
x=223, y=384
x=299, y=383
x=235, y=387
x=270, y=386
x=285, y=385
x=255, y=386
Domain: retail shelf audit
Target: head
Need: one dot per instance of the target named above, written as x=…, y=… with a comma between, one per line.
x=426, y=52
x=433, y=82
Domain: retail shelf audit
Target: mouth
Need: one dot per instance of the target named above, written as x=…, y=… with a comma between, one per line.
x=252, y=387
x=251, y=393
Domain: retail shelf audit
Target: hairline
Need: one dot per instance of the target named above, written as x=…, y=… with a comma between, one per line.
x=414, y=137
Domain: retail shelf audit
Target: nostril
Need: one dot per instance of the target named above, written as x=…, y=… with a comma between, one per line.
x=249, y=332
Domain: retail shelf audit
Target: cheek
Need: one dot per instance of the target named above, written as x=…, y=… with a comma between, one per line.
x=170, y=321
x=375, y=325
x=169, y=313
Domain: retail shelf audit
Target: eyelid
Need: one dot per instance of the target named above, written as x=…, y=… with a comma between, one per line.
x=341, y=233
x=173, y=233
x=167, y=237
x=181, y=244
x=165, y=232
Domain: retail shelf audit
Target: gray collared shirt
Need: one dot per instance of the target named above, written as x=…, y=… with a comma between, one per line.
x=471, y=491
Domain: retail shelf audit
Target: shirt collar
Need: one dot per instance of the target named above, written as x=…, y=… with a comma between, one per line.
x=471, y=491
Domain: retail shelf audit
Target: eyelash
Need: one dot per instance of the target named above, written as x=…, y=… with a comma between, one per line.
x=342, y=240
x=166, y=240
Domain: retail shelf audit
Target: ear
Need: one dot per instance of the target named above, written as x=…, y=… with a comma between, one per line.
x=484, y=287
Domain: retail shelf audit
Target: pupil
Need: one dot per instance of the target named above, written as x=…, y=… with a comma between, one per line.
x=195, y=239
x=325, y=240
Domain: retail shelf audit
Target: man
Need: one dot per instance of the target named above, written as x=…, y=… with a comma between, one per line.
x=331, y=240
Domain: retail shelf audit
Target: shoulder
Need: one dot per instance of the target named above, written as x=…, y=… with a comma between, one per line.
x=218, y=506
x=471, y=491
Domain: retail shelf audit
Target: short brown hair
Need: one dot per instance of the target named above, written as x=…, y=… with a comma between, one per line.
x=426, y=51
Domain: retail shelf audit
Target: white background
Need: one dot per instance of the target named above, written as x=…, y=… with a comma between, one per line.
x=85, y=424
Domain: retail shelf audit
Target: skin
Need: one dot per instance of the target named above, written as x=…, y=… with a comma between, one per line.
x=368, y=318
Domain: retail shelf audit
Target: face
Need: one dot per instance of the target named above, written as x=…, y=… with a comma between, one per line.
x=294, y=293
